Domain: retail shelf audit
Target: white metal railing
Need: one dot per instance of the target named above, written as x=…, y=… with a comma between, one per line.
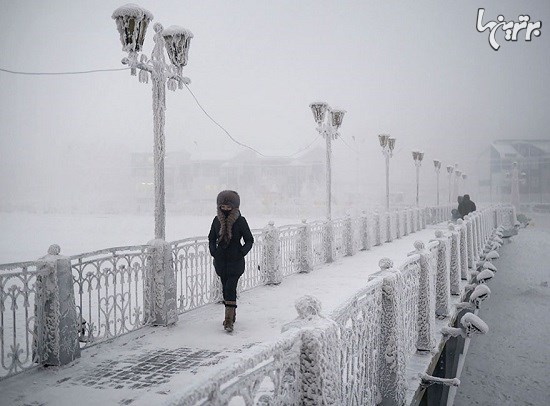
x=114, y=288
x=378, y=329
x=109, y=292
x=19, y=287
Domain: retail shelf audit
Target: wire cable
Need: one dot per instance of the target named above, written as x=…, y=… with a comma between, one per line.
x=240, y=143
x=347, y=145
x=61, y=73
x=190, y=91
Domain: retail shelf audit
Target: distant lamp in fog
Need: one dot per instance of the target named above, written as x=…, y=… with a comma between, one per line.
x=383, y=138
x=319, y=110
x=437, y=167
x=327, y=126
x=388, y=145
x=336, y=117
x=391, y=144
x=418, y=156
x=450, y=170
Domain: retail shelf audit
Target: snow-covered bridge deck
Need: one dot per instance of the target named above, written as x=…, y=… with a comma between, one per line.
x=154, y=365
x=127, y=370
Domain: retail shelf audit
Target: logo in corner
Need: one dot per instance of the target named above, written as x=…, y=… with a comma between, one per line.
x=511, y=28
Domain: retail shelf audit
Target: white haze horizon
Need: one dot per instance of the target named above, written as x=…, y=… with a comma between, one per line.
x=418, y=71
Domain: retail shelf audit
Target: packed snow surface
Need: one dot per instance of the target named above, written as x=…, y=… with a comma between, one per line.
x=510, y=365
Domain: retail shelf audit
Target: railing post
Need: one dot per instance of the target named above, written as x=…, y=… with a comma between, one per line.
x=271, y=255
x=454, y=274
x=365, y=235
x=160, y=285
x=425, y=322
x=406, y=228
x=348, y=237
x=305, y=259
x=388, y=227
x=463, y=249
x=470, y=241
x=320, y=383
x=377, y=236
x=397, y=224
x=442, y=283
x=57, y=321
x=328, y=241
x=392, y=346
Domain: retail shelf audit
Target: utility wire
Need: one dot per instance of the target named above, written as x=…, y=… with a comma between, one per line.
x=347, y=145
x=240, y=143
x=190, y=91
x=61, y=73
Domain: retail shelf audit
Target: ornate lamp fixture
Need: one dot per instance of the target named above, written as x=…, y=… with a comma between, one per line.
x=132, y=22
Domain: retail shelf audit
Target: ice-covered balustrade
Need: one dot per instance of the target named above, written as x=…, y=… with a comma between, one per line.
x=118, y=290
x=368, y=359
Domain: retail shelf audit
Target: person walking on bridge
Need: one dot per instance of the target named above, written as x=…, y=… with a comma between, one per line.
x=466, y=206
x=224, y=241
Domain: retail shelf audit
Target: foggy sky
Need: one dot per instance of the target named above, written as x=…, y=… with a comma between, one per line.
x=417, y=70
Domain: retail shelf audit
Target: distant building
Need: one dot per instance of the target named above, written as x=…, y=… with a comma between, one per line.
x=533, y=158
x=193, y=181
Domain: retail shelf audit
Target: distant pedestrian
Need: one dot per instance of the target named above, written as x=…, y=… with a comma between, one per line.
x=226, y=232
x=466, y=206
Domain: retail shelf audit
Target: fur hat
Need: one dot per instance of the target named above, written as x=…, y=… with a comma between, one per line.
x=229, y=198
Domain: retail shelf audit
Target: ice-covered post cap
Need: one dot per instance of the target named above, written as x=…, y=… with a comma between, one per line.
x=307, y=307
x=451, y=227
x=385, y=264
x=485, y=275
x=473, y=324
x=54, y=249
x=480, y=293
x=418, y=245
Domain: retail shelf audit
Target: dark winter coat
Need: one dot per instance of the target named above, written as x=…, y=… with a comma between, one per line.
x=466, y=206
x=229, y=257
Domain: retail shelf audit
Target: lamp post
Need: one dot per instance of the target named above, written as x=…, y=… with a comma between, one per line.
x=437, y=167
x=132, y=22
x=450, y=170
x=464, y=177
x=457, y=179
x=388, y=144
x=514, y=189
x=417, y=156
x=327, y=126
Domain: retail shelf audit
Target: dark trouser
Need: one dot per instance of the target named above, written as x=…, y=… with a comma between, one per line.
x=229, y=273
x=229, y=284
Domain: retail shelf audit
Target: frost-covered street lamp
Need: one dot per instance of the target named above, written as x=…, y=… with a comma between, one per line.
x=457, y=180
x=417, y=157
x=132, y=22
x=327, y=126
x=450, y=170
x=464, y=177
x=437, y=167
x=388, y=144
